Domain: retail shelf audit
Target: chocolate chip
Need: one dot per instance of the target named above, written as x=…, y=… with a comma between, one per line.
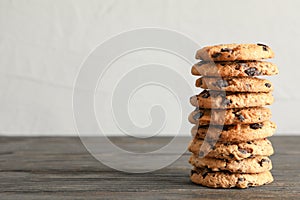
x=268, y=85
x=256, y=126
x=231, y=156
x=226, y=102
x=265, y=47
x=260, y=44
x=198, y=115
x=221, y=83
x=241, y=179
x=238, y=67
x=201, y=154
x=227, y=143
x=243, y=151
x=252, y=71
x=249, y=142
x=240, y=117
x=226, y=50
x=263, y=161
x=205, y=94
x=215, y=55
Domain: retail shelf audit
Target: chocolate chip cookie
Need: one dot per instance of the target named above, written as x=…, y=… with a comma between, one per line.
x=232, y=52
x=256, y=164
x=203, y=116
x=231, y=151
x=222, y=100
x=235, y=84
x=234, y=69
x=206, y=177
x=235, y=133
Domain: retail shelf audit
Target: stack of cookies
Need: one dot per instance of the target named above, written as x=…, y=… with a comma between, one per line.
x=230, y=146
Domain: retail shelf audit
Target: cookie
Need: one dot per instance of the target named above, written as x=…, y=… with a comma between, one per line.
x=231, y=151
x=202, y=116
x=222, y=100
x=235, y=84
x=232, y=52
x=234, y=69
x=235, y=133
x=257, y=164
x=206, y=177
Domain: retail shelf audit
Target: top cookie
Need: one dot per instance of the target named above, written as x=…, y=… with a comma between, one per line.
x=232, y=52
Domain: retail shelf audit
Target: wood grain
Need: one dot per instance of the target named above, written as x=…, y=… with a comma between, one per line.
x=61, y=168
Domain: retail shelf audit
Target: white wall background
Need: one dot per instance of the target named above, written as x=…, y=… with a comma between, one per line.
x=42, y=44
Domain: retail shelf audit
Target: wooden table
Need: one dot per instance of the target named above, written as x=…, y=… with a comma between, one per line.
x=61, y=168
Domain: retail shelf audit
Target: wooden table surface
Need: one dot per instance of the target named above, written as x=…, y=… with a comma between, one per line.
x=61, y=168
